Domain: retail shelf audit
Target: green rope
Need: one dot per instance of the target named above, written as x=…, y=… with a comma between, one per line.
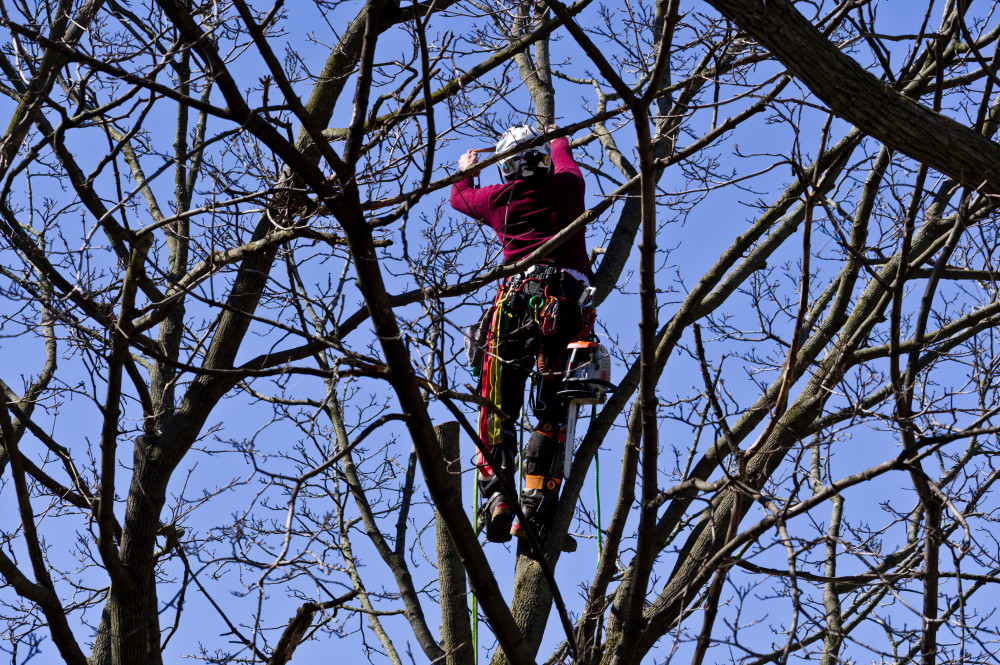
x=475, y=528
x=597, y=489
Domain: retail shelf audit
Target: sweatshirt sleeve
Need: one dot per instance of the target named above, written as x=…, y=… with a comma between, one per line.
x=568, y=178
x=562, y=158
x=468, y=199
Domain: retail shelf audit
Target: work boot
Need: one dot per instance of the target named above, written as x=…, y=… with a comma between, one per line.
x=569, y=543
x=496, y=515
x=538, y=503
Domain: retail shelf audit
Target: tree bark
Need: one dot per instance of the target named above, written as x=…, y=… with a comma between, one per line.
x=456, y=632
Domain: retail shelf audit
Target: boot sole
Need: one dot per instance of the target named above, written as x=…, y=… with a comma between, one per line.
x=498, y=529
x=569, y=543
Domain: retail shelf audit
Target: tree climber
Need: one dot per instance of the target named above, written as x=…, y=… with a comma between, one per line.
x=536, y=315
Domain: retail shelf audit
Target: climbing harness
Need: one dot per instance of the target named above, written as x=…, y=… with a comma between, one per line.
x=571, y=370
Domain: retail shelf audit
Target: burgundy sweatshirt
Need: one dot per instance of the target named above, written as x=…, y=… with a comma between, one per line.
x=526, y=213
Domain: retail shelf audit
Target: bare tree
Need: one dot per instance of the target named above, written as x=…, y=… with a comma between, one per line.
x=237, y=418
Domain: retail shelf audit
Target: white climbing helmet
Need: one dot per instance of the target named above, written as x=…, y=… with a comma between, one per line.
x=534, y=161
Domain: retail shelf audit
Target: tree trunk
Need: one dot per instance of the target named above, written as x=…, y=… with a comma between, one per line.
x=456, y=633
x=129, y=632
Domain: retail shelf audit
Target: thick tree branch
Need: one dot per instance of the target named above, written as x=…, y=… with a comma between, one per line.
x=859, y=97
